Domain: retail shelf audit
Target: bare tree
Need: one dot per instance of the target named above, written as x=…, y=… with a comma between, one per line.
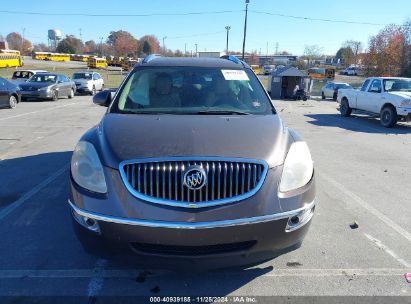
x=313, y=52
x=355, y=46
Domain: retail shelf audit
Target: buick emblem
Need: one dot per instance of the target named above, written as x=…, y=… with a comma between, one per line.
x=195, y=178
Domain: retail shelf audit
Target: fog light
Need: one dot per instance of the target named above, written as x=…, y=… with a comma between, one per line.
x=300, y=219
x=88, y=223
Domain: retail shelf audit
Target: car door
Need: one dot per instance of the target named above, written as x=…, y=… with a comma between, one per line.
x=331, y=90
x=328, y=91
x=362, y=95
x=370, y=99
x=96, y=82
x=64, y=85
x=4, y=93
x=100, y=81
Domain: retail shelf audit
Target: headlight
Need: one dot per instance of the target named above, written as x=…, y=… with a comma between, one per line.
x=44, y=89
x=298, y=167
x=405, y=102
x=86, y=168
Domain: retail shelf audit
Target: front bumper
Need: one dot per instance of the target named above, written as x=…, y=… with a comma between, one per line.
x=265, y=221
x=404, y=112
x=83, y=89
x=36, y=94
x=260, y=237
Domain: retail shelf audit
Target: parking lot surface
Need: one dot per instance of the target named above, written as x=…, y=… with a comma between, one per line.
x=362, y=173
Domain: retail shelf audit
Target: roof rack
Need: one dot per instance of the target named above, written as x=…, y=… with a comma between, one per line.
x=231, y=58
x=150, y=57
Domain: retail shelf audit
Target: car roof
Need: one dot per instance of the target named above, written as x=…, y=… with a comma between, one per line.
x=193, y=62
x=32, y=71
x=88, y=72
x=51, y=74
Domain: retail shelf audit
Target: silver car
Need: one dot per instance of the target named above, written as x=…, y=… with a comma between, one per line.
x=48, y=86
x=20, y=76
x=88, y=82
x=330, y=90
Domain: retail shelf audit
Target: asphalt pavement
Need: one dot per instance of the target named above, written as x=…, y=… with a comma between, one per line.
x=363, y=176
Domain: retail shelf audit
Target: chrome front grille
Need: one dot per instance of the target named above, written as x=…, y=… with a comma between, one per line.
x=161, y=180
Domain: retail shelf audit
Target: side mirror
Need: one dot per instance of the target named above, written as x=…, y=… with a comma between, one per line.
x=102, y=98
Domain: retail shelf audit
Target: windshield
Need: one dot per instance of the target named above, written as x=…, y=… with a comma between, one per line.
x=192, y=90
x=397, y=85
x=82, y=76
x=343, y=86
x=43, y=78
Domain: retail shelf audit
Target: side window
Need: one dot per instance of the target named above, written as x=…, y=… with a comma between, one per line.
x=375, y=86
x=365, y=85
x=95, y=76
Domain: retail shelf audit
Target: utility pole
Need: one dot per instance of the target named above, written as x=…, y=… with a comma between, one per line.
x=196, y=49
x=81, y=36
x=276, y=48
x=185, y=49
x=245, y=26
x=164, y=45
x=101, y=46
x=228, y=30
x=22, y=41
x=266, y=52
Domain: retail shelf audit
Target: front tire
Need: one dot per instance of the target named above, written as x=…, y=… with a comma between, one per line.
x=12, y=102
x=322, y=95
x=388, y=117
x=93, y=91
x=345, y=109
x=71, y=95
x=55, y=96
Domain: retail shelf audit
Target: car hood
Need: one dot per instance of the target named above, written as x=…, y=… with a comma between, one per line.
x=27, y=86
x=402, y=94
x=128, y=136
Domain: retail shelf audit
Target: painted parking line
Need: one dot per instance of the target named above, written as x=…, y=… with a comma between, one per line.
x=97, y=281
x=125, y=273
x=38, y=111
x=389, y=251
x=360, y=202
x=16, y=204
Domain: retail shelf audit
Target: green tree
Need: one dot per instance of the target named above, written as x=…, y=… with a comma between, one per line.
x=345, y=55
x=70, y=45
x=147, y=48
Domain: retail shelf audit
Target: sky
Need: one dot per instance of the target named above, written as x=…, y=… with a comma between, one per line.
x=265, y=24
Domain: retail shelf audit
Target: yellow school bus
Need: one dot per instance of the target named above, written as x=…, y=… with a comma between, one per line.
x=78, y=57
x=10, y=60
x=322, y=73
x=40, y=55
x=59, y=57
x=110, y=60
x=16, y=52
x=97, y=63
x=128, y=64
x=256, y=69
x=50, y=56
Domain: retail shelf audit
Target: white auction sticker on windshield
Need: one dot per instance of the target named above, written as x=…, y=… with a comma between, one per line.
x=234, y=75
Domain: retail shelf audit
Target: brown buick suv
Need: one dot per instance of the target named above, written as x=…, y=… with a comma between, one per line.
x=191, y=160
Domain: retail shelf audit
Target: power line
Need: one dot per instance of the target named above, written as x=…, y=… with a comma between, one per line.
x=198, y=35
x=196, y=13
x=317, y=19
x=119, y=15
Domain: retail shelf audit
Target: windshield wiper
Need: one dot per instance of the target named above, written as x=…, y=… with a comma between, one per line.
x=216, y=112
